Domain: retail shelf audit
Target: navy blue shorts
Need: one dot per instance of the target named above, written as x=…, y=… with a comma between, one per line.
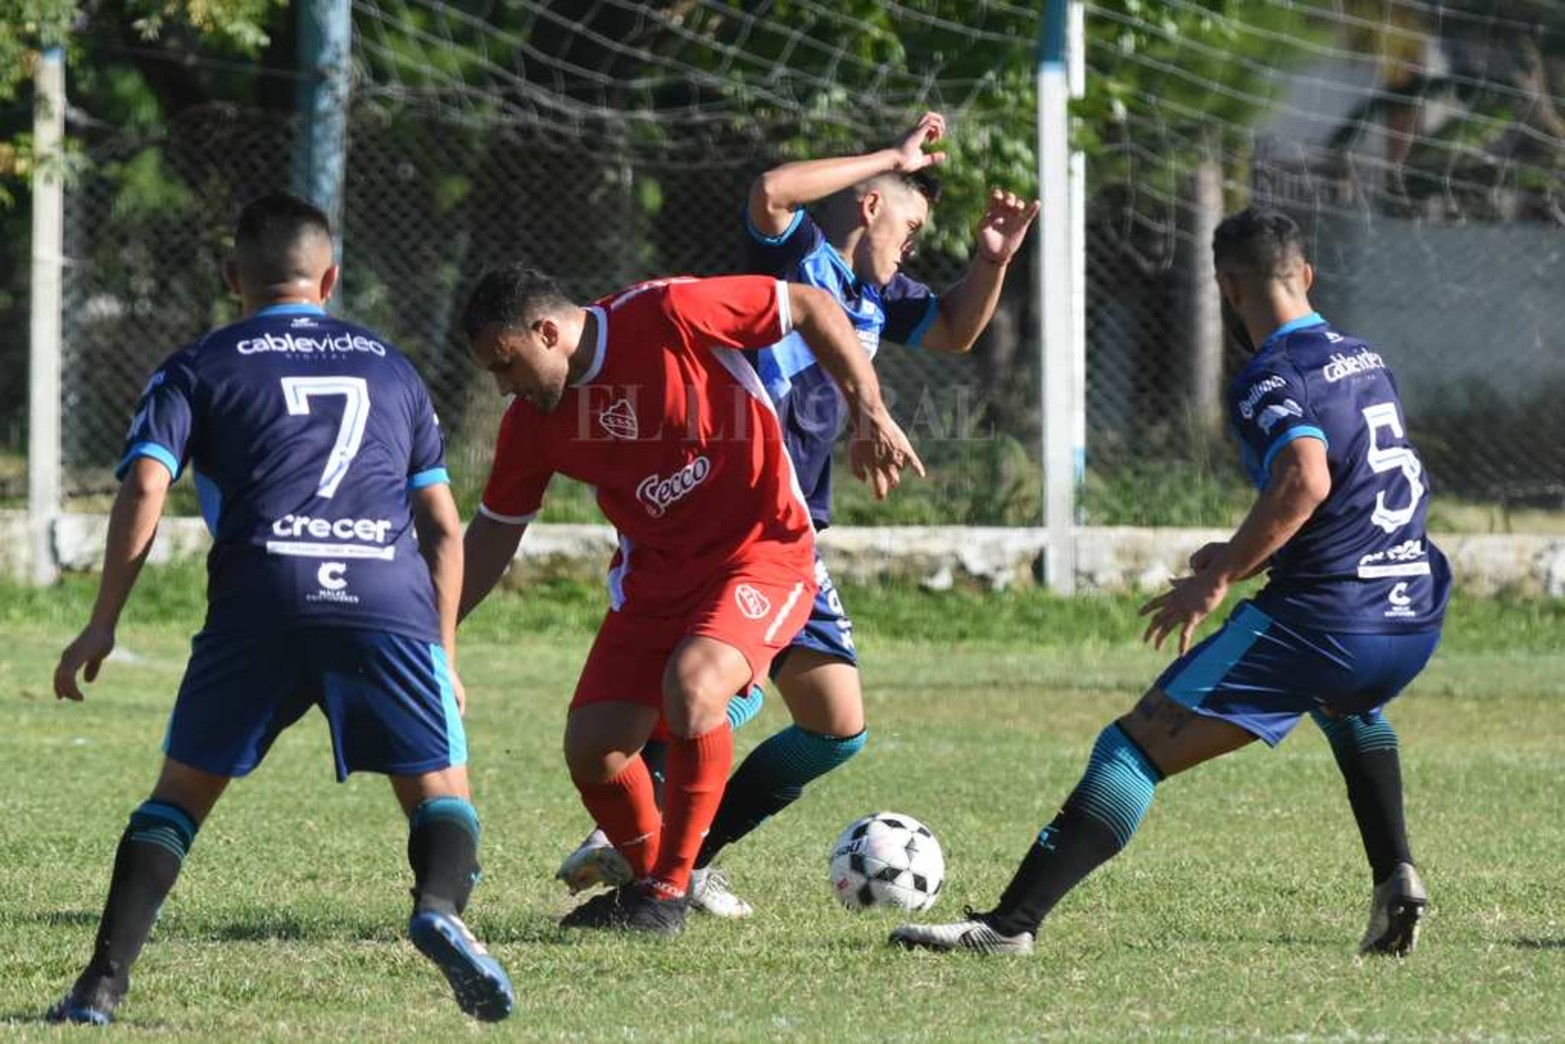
x=1262, y=675
x=387, y=699
x=829, y=629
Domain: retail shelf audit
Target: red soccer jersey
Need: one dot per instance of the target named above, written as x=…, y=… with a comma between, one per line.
x=672, y=427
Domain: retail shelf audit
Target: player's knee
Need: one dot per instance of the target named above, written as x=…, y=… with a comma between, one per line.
x=594, y=766
x=189, y=788
x=589, y=759
x=827, y=752
x=696, y=698
x=691, y=713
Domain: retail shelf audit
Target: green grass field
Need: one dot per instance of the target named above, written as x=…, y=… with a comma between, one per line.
x=1233, y=914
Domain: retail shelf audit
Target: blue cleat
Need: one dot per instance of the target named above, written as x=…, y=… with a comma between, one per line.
x=482, y=988
x=91, y=1002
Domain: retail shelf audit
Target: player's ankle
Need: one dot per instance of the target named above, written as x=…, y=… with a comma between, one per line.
x=665, y=890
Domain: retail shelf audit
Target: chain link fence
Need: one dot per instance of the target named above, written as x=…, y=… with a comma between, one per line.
x=1434, y=214
x=1422, y=149
x=429, y=203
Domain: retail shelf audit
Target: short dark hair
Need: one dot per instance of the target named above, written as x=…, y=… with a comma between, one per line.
x=1259, y=241
x=511, y=295
x=926, y=183
x=271, y=228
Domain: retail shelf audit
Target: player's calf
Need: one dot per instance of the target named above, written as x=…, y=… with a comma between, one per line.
x=147, y=863
x=443, y=837
x=772, y=778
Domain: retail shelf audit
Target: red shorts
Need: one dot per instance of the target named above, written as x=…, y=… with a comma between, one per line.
x=757, y=608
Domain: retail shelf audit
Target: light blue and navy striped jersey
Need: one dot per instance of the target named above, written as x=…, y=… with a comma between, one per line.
x=304, y=436
x=1363, y=563
x=808, y=403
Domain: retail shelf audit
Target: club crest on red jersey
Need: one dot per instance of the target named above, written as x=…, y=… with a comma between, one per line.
x=619, y=420
x=752, y=603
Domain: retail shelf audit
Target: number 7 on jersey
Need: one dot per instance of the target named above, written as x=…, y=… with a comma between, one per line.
x=297, y=391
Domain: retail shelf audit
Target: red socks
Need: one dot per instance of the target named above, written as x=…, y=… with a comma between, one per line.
x=625, y=810
x=697, y=771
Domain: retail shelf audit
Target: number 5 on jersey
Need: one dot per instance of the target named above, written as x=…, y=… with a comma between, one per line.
x=355, y=415
x=1392, y=458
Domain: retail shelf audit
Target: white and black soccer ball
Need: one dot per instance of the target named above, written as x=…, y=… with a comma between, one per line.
x=887, y=859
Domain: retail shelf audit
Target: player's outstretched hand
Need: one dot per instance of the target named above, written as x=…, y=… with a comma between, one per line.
x=879, y=451
x=460, y=692
x=89, y=650
x=1190, y=600
x=1004, y=225
x=910, y=150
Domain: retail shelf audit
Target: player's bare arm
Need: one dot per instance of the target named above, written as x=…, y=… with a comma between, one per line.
x=487, y=548
x=133, y=523
x=967, y=307
x=775, y=195
x=879, y=449
x=1300, y=481
x=439, y=528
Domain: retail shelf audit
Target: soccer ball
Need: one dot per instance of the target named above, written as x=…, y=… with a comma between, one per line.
x=887, y=859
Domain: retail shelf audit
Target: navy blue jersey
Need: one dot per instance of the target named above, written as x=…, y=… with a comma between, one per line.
x=1363, y=563
x=304, y=436
x=808, y=403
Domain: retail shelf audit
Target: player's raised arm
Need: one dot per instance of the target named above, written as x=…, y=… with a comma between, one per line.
x=133, y=523
x=879, y=450
x=775, y=195
x=968, y=306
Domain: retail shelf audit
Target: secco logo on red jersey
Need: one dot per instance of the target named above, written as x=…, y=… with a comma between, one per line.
x=752, y=603
x=657, y=493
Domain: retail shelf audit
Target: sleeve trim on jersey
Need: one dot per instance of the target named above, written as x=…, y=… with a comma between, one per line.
x=598, y=349
x=429, y=477
x=1303, y=431
x=916, y=338
x=761, y=237
x=148, y=449
x=509, y=520
x=784, y=308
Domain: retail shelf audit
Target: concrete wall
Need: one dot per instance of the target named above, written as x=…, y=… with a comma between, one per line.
x=1109, y=558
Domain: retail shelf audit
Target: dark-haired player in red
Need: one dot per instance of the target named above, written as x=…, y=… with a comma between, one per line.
x=646, y=396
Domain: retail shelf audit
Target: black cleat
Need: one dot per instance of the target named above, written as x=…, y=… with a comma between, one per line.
x=604, y=911
x=91, y=1001
x=653, y=914
x=1394, y=912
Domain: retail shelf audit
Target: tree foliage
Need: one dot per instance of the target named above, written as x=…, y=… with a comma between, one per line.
x=29, y=27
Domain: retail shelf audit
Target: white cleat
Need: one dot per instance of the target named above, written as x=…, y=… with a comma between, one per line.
x=973, y=934
x=595, y=862
x=1394, y=912
x=709, y=892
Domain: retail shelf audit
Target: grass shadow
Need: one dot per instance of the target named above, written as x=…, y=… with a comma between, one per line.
x=1529, y=943
x=541, y=928
x=60, y=918
x=279, y=926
